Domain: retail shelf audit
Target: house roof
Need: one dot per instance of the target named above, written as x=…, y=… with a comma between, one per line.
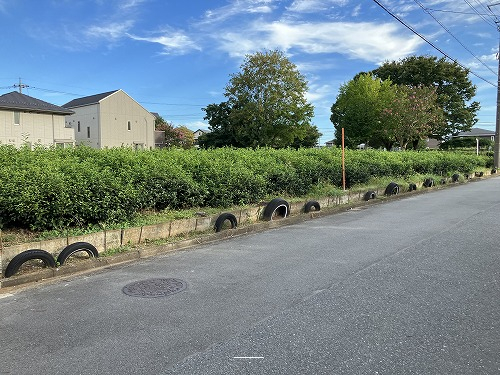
x=476, y=132
x=88, y=100
x=17, y=101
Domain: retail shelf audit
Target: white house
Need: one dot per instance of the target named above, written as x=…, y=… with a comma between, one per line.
x=111, y=119
x=25, y=120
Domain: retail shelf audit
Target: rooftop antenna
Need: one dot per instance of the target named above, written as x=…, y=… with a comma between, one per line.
x=21, y=86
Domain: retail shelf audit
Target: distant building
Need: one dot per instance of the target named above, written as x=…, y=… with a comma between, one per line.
x=477, y=133
x=25, y=120
x=111, y=119
x=196, y=135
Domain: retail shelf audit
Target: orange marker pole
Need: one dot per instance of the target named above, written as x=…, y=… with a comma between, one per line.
x=343, y=161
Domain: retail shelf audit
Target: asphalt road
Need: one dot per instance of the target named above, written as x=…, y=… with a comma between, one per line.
x=409, y=286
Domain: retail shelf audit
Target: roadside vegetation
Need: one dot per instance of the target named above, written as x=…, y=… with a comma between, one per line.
x=52, y=189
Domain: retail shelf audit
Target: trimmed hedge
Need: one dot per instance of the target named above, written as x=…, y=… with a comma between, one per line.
x=53, y=188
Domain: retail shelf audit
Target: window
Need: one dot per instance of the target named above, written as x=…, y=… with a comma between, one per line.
x=129, y=127
x=17, y=118
x=78, y=126
x=88, y=131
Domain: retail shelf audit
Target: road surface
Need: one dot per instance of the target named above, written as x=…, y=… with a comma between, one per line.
x=408, y=286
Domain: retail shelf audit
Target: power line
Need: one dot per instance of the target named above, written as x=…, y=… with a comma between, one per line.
x=478, y=13
x=454, y=37
x=430, y=43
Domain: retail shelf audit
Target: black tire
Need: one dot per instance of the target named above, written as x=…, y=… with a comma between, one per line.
x=466, y=176
x=26, y=255
x=429, y=182
x=412, y=187
x=222, y=218
x=392, y=189
x=493, y=171
x=277, y=207
x=479, y=174
x=455, y=177
x=443, y=181
x=75, y=248
x=370, y=195
x=310, y=205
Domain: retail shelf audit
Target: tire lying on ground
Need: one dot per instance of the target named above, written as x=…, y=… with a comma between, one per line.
x=412, y=187
x=392, y=189
x=493, y=171
x=26, y=255
x=75, y=248
x=223, y=218
x=370, y=195
x=276, y=208
x=429, y=182
x=455, y=177
x=310, y=205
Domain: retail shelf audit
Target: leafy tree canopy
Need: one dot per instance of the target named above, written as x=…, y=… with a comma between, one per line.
x=454, y=89
x=266, y=106
x=358, y=110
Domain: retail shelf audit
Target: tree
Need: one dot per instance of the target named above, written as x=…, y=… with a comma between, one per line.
x=453, y=87
x=266, y=105
x=358, y=109
x=175, y=137
x=413, y=115
x=185, y=137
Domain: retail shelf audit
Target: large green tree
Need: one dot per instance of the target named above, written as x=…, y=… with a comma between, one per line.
x=266, y=106
x=454, y=89
x=358, y=109
x=412, y=116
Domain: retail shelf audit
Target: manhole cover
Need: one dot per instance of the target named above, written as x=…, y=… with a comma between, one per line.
x=153, y=288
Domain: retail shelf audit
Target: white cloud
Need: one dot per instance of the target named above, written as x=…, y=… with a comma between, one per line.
x=313, y=6
x=237, y=7
x=366, y=41
x=111, y=31
x=173, y=42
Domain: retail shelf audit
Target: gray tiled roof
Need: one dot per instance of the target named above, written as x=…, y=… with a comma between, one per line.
x=17, y=101
x=88, y=100
x=476, y=132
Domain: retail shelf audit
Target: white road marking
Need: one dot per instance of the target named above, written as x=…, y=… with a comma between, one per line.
x=5, y=295
x=248, y=357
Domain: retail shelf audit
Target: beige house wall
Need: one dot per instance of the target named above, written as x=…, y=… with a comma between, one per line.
x=85, y=122
x=124, y=122
x=108, y=123
x=34, y=129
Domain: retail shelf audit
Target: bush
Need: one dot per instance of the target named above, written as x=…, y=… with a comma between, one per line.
x=52, y=188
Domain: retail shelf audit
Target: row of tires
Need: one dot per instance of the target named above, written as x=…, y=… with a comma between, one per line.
x=393, y=188
x=47, y=258
x=275, y=208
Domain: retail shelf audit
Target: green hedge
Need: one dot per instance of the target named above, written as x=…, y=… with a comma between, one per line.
x=53, y=188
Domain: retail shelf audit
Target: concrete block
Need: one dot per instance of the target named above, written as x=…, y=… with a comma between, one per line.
x=131, y=236
x=54, y=246
x=250, y=215
x=204, y=223
x=113, y=239
x=182, y=226
x=96, y=239
x=155, y=231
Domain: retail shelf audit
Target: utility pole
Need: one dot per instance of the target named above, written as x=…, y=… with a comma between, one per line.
x=496, y=155
x=21, y=86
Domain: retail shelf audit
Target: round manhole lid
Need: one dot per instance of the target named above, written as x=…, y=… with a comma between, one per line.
x=153, y=288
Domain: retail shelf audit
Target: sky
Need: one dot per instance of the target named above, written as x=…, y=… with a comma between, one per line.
x=175, y=57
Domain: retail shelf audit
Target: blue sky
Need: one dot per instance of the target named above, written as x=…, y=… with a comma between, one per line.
x=176, y=57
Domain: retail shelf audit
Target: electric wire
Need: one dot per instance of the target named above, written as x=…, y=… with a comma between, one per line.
x=431, y=44
x=454, y=37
